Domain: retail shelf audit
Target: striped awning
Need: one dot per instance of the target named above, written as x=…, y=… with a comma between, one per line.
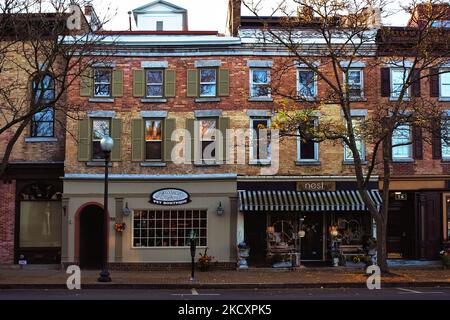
x=340, y=200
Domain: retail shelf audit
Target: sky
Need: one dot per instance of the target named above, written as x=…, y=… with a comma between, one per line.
x=202, y=14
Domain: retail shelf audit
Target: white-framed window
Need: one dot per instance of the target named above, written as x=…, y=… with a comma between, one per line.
x=398, y=80
x=100, y=129
x=154, y=83
x=444, y=83
x=260, y=148
x=306, y=84
x=360, y=146
x=445, y=139
x=208, y=82
x=441, y=24
x=207, y=131
x=355, y=83
x=169, y=228
x=307, y=150
x=159, y=25
x=259, y=82
x=401, y=142
x=153, y=139
x=102, y=82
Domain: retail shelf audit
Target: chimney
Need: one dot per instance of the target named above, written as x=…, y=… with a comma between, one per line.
x=234, y=17
x=92, y=17
x=373, y=17
x=88, y=9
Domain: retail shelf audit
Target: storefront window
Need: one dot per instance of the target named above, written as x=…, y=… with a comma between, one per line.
x=40, y=224
x=168, y=228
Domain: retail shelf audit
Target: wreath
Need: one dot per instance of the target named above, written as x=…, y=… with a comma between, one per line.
x=119, y=227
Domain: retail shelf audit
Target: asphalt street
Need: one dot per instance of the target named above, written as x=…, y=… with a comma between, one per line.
x=409, y=293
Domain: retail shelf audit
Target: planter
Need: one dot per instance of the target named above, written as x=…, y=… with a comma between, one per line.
x=336, y=262
x=445, y=262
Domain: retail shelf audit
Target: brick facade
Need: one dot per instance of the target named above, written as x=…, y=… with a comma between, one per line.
x=7, y=219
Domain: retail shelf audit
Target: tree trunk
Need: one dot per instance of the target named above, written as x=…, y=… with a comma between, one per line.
x=382, y=245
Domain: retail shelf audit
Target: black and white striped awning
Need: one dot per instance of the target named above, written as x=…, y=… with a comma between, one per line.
x=340, y=200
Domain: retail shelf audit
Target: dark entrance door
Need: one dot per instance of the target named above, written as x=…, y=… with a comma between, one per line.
x=255, y=235
x=312, y=242
x=400, y=228
x=91, y=240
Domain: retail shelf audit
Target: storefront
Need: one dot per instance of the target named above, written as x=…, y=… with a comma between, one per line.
x=288, y=222
x=150, y=219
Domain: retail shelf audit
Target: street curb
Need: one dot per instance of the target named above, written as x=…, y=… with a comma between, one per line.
x=222, y=285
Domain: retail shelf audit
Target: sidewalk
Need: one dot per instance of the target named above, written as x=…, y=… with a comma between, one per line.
x=253, y=278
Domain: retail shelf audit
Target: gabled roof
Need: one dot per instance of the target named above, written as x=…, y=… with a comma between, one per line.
x=145, y=8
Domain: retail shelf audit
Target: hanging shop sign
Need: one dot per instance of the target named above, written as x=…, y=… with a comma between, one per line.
x=169, y=197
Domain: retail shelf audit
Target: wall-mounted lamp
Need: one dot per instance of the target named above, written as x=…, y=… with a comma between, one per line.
x=220, y=210
x=126, y=211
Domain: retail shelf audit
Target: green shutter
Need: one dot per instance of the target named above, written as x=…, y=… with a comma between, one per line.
x=138, y=83
x=190, y=143
x=169, y=127
x=137, y=139
x=116, y=134
x=169, y=83
x=86, y=83
x=224, y=83
x=192, y=83
x=224, y=124
x=84, y=140
x=117, y=83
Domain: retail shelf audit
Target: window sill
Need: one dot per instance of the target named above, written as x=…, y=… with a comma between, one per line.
x=444, y=99
x=396, y=99
x=308, y=163
x=154, y=100
x=358, y=99
x=100, y=163
x=306, y=99
x=406, y=160
x=351, y=162
x=211, y=99
x=260, y=162
x=206, y=164
x=41, y=139
x=260, y=99
x=101, y=100
x=152, y=164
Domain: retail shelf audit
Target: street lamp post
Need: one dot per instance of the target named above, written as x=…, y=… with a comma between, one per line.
x=106, y=144
x=301, y=234
x=193, y=244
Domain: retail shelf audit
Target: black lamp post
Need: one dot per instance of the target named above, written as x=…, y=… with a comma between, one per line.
x=106, y=144
x=301, y=234
x=193, y=244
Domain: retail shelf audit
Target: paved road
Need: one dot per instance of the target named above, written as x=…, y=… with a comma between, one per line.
x=231, y=294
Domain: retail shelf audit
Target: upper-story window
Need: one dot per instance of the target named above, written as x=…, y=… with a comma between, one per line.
x=159, y=25
x=307, y=149
x=355, y=83
x=260, y=148
x=207, y=128
x=441, y=24
x=43, y=122
x=444, y=83
x=100, y=129
x=208, y=82
x=359, y=141
x=401, y=143
x=259, y=82
x=102, y=82
x=398, y=80
x=306, y=84
x=153, y=140
x=155, y=83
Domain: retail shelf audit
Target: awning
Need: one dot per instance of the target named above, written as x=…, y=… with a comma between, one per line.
x=340, y=200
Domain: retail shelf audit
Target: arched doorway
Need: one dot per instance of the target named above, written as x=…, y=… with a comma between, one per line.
x=91, y=238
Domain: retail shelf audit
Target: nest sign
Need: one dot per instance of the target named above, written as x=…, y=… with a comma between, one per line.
x=169, y=197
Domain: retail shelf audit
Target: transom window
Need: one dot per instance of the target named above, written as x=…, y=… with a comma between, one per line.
x=260, y=79
x=260, y=139
x=102, y=82
x=153, y=139
x=355, y=83
x=398, y=79
x=306, y=86
x=401, y=143
x=308, y=149
x=207, y=128
x=43, y=122
x=444, y=81
x=169, y=228
x=348, y=154
x=100, y=129
x=208, y=82
x=155, y=83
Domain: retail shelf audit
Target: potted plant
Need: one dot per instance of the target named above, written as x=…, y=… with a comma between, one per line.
x=243, y=253
x=445, y=255
x=204, y=261
x=119, y=227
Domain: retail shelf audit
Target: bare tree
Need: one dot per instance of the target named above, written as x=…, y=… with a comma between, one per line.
x=328, y=37
x=44, y=48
